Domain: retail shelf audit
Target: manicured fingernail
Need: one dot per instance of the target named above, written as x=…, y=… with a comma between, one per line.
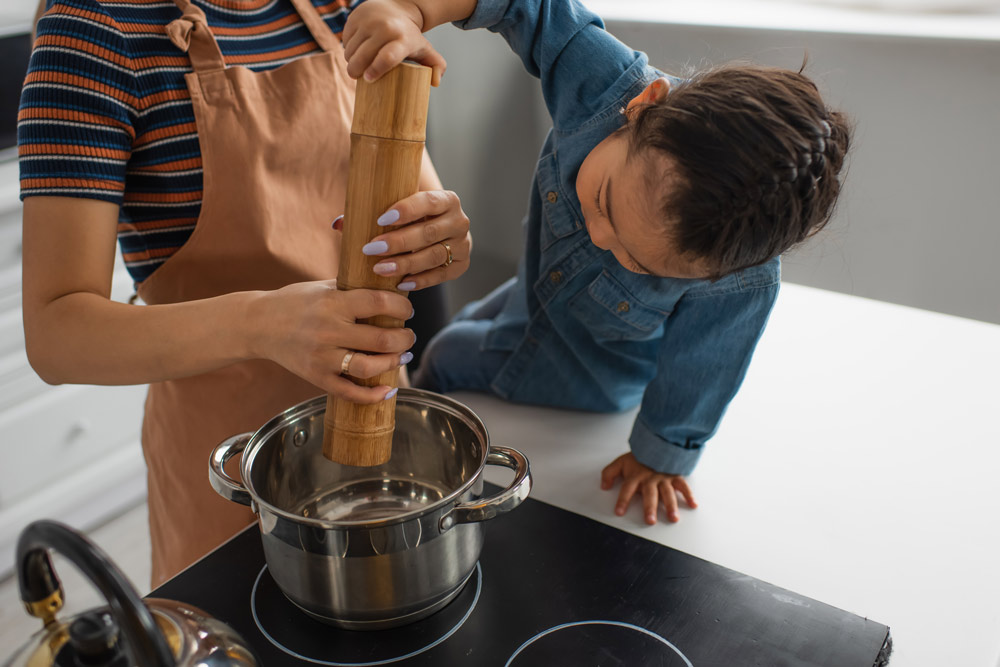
x=385, y=268
x=336, y=220
x=406, y=287
x=412, y=312
x=405, y=358
x=375, y=248
x=392, y=392
x=389, y=217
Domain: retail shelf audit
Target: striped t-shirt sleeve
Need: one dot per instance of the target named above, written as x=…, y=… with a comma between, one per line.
x=78, y=106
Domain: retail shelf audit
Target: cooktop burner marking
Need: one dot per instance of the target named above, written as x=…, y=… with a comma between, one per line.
x=618, y=623
x=374, y=663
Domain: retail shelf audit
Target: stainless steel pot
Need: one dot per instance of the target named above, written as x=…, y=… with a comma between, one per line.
x=371, y=548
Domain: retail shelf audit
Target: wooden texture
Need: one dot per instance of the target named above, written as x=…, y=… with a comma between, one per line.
x=387, y=143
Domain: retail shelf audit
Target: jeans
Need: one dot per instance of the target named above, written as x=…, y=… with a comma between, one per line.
x=454, y=359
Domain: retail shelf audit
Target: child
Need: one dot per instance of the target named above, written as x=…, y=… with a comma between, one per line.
x=658, y=213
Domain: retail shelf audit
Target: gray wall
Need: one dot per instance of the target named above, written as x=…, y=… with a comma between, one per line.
x=917, y=224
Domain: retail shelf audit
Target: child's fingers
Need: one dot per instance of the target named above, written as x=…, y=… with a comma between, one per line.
x=428, y=56
x=437, y=74
x=362, y=52
x=346, y=35
x=388, y=56
x=610, y=473
x=650, y=500
x=669, y=499
x=374, y=56
x=350, y=39
x=685, y=490
x=400, y=49
x=625, y=495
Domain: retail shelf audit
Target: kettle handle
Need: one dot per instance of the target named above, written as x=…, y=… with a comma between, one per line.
x=486, y=508
x=41, y=590
x=222, y=482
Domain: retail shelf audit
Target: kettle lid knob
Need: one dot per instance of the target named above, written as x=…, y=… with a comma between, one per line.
x=93, y=637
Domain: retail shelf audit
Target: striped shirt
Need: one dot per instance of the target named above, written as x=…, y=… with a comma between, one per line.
x=105, y=112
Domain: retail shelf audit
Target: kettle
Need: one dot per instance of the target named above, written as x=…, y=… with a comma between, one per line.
x=128, y=632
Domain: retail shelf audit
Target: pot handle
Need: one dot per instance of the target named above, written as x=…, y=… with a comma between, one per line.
x=224, y=485
x=482, y=509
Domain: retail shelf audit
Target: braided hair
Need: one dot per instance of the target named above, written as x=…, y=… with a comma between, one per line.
x=757, y=157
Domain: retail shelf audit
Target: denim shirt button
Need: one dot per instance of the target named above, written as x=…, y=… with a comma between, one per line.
x=623, y=306
x=556, y=277
x=552, y=196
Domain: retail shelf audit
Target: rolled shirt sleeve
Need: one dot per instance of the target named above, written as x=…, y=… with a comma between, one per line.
x=703, y=357
x=583, y=69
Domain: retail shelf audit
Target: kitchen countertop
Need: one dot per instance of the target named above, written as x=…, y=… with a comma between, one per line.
x=856, y=466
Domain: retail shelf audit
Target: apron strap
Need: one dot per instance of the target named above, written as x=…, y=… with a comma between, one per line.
x=190, y=34
x=317, y=26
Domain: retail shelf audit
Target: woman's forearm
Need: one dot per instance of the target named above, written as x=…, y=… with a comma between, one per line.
x=75, y=333
x=86, y=338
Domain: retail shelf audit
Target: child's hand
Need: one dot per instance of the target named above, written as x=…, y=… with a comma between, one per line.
x=427, y=240
x=380, y=34
x=656, y=488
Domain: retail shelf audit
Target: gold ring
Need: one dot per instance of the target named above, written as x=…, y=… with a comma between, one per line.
x=450, y=259
x=345, y=363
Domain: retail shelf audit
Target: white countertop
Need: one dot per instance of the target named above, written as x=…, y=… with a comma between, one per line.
x=858, y=466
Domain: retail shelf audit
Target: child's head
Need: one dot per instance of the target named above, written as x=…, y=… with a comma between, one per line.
x=730, y=169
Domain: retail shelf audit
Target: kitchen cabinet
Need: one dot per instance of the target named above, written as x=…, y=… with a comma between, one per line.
x=68, y=452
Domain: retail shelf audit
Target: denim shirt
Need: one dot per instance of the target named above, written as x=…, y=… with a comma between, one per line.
x=581, y=330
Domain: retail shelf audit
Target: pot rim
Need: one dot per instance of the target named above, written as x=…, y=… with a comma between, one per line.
x=310, y=407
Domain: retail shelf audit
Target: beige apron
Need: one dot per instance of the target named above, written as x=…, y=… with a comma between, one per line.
x=274, y=147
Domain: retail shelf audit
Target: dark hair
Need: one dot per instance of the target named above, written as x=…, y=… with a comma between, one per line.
x=758, y=154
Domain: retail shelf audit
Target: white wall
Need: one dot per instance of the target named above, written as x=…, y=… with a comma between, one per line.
x=918, y=223
x=17, y=13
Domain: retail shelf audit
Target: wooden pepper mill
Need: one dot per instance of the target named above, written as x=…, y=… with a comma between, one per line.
x=387, y=145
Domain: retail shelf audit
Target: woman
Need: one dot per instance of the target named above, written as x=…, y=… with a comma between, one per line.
x=213, y=141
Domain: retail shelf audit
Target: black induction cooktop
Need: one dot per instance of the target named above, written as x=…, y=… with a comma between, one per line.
x=551, y=589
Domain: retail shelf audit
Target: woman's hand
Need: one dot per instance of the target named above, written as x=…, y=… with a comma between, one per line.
x=656, y=488
x=380, y=34
x=429, y=241
x=309, y=328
